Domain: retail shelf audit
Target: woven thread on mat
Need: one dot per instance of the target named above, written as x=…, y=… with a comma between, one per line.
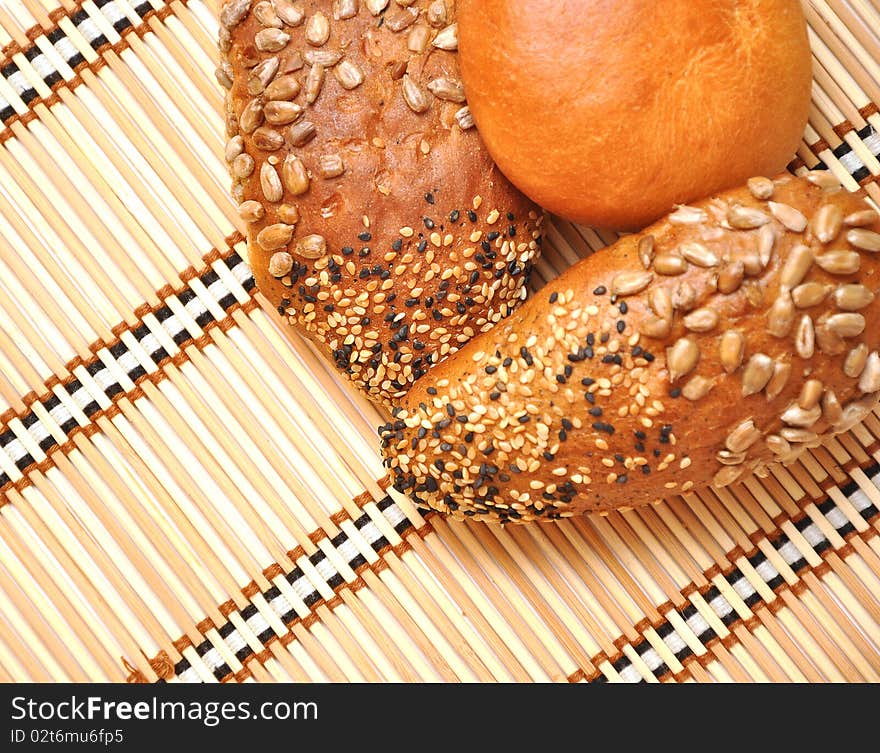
x=724, y=610
x=126, y=361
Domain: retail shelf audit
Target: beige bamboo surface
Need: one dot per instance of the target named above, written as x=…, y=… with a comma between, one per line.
x=214, y=511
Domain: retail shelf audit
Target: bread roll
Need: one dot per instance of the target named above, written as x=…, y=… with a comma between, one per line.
x=609, y=113
x=732, y=334
x=377, y=222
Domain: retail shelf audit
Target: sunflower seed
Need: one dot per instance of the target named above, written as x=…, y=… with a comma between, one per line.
x=670, y=265
x=791, y=218
x=282, y=88
x=766, y=243
x=805, y=338
x=318, y=30
x=234, y=147
x=271, y=40
x=242, y=166
x=464, y=118
x=855, y=361
x=799, y=436
x=223, y=74
x=839, y=262
x=630, y=283
x=268, y=139
x=746, y=218
x=810, y=294
x=343, y=9
x=294, y=175
x=661, y=303
x=314, y=82
x=275, y=236
x=853, y=414
x=301, y=133
x=742, y=437
x=280, y=264
x=646, y=250
x=826, y=223
x=756, y=374
x=331, y=166
x=290, y=13
x=685, y=297
x=751, y=261
x=794, y=415
x=419, y=38
x=682, y=358
x=270, y=183
x=726, y=457
x=698, y=254
x=414, y=95
x=656, y=327
x=831, y=408
x=266, y=15
x=761, y=188
x=447, y=38
x=251, y=211
x=781, y=375
x=325, y=57
x=701, y=320
x=401, y=19
x=312, y=247
x=830, y=343
x=288, y=214
x=376, y=6
x=732, y=350
x=262, y=75
x=447, y=89
x=278, y=112
x=811, y=394
x=861, y=218
x=349, y=75
x=846, y=325
x=823, y=179
x=251, y=116
x=238, y=192
x=697, y=388
x=437, y=15
x=780, y=318
x=291, y=63
x=866, y=240
x=853, y=297
x=870, y=379
x=233, y=12
x=777, y=445
x=730, y=278
x=796, y=266
x=686, y=215
x=727, y=476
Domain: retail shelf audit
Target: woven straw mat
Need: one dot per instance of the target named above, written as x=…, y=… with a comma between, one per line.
x=188, y=495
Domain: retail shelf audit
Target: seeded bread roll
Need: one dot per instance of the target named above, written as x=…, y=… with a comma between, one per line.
x=730, y=335
x=377, y=222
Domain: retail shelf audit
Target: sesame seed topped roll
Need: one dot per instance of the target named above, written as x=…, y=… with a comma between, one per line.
x=377, y=222
x=730, y=335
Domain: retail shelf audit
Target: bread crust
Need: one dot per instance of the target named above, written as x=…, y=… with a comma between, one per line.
x=728, y=336
x=607, y=112
x=377, y=222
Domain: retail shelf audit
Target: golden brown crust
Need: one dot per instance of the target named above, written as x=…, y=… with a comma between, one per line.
x=727, y=336
x=608, y=113
x=378, y=223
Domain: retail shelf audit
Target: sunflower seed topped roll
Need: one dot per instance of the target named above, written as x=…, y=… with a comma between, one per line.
x=730, y=335
x=377, y=223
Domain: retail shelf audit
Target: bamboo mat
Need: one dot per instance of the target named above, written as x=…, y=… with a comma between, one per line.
x=187, y=495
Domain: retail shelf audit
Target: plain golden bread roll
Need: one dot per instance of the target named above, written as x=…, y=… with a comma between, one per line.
x=610, y=112
x=730, y=335
x=377, y=222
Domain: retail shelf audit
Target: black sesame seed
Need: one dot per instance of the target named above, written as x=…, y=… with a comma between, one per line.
x=472, y=215
x=429, y=197
x=621, y=325
x=604, y=428
x=641, y=435
x=366, y=237
x=554, y=296
x=347, y=250
x=623, y=308
x=454, y=215
x=675, y=393
x=588, y=381
x=429, y=223
x=597, y=412
x=397, y=245
x=601, y=290
x=423, y=244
